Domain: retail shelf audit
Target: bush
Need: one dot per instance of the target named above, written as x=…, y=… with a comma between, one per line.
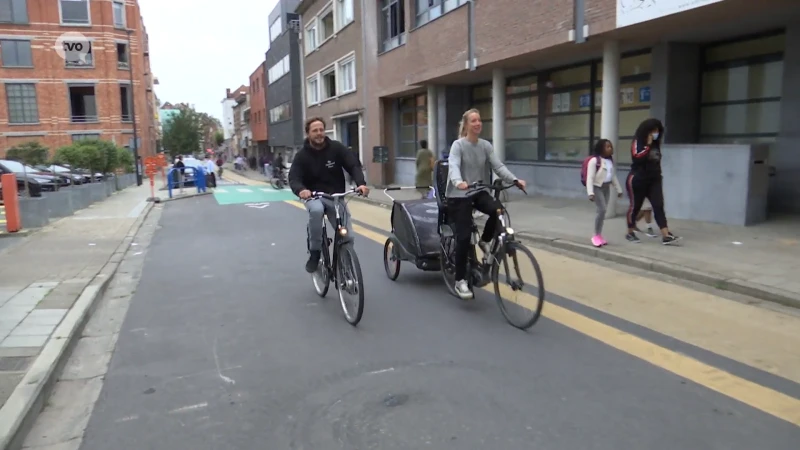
x=125, y=160
x=31, y=153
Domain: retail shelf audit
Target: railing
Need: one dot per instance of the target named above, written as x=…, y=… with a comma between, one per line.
x=84, y=119
x=175, y=179
x=123, y=65
x=127, y=117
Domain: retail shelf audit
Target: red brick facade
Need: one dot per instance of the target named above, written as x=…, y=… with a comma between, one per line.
x=259, y=122
x=50, y=76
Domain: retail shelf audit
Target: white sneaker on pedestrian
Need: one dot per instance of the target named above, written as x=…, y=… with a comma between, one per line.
x=463, y=291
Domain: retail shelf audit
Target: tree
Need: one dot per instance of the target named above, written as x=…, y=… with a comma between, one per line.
x=31, y=153
x=125, y=159
x=219, y=138
x=90, y=154
x=183, y=133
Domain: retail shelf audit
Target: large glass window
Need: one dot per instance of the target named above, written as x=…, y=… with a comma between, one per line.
x=22, y=104
x=567, y=126
x=522, y=119
x=741, y=91
x=393, y=24
x=75, y=12
x=13, y=11
x=413, y=125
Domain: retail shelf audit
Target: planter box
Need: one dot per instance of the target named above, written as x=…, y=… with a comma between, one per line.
x=34, y=212
x=110, y=187
x=81, y=196
x=59, y=204
x=97, y=191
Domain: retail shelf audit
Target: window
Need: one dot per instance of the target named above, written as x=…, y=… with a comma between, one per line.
x=347, y=76
x=275, y=29
x=83, y=103
x=13, y=11
x=88, y=61
x=85, y=136
x=742, y=86
x=344, y=12
x=413, y=125
x=313, y=90
x=428, y=10
x=522, y=119
x=311, y=36
x=119, y=14
x=22, y=104
x=280, y=69
x=74, y=12
x=123, y=61
x=328, y=83
x=326, y=25
x=16, y=53
x=125, y=101
x=393, y=24
x=280, y=113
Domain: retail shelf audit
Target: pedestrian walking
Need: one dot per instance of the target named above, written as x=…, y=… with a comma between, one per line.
x=600, y=176
x=211, y=168
x=645, y=179
x=424, y=176
x=646, y=213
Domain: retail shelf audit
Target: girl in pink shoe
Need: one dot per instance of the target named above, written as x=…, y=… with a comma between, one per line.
x=600, y=175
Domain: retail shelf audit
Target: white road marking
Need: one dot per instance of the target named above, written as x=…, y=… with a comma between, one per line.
x=189, y=408
x=127, y=419
x=219, y=370
x=244, y=190
x=390, y=369
x=221, y=191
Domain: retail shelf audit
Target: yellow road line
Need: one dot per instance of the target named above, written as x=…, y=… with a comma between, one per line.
x=768, y=400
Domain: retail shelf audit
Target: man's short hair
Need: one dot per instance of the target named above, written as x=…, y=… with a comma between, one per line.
x=312, y=120
x=423, y=143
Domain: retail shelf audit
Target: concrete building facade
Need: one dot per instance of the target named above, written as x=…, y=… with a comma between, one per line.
x=258, y=110
x=551, y=79
x=284, y=80
x=228, y=103
x=332, y=52
x=55, y=101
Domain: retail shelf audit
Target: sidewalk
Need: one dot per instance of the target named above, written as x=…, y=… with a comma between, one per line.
x=48, y=283
x=760, y=261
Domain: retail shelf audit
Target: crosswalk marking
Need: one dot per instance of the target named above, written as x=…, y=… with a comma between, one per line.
x=267, y=189
x=244, y=190
x=221, y=191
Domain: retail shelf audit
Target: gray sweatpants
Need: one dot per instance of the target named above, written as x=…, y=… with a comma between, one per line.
x=318, y=208
x=601, y=196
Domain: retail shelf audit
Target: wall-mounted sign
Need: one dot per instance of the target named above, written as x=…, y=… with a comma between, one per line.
x=631, y=12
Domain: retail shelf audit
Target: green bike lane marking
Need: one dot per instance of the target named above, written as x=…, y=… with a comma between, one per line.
x=238, y=194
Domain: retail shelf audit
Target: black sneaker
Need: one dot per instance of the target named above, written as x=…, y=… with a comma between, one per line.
x=669, y=239
x=650, y=233
x=313, y=262
x=631, y=237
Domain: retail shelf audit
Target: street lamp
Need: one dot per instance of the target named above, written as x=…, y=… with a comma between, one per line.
x=133, y=112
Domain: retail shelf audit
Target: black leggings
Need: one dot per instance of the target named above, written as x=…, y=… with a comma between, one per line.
x=641, y=186
x=459, y=214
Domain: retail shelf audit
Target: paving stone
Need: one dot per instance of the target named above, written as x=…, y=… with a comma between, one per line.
x=24, y=341
x=8, y=381
x=33, y=330
x=58, y=301
x=19, y=351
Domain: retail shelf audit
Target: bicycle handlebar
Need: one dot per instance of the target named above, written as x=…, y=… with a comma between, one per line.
x=402, y=188
x=495, y=186
x=316, y=195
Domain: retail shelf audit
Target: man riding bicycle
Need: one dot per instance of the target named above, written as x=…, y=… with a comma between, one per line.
x=467, y=163
x=318, y=167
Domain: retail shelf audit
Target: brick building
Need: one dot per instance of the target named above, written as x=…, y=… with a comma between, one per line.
x=48, y=99
x=259, y=122
x=550, y=78
x=332, y=51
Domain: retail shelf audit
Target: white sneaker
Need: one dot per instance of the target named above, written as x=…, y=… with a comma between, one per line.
x=462, y=289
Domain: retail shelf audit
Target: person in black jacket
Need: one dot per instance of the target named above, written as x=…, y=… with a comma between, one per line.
x=318, y=166
x=645, y=179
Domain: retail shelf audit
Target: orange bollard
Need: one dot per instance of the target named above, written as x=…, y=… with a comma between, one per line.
x=11, y=202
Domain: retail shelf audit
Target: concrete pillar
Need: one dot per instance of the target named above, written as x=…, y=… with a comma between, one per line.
x=609, y=112
x=433, y=119
x=499, y=113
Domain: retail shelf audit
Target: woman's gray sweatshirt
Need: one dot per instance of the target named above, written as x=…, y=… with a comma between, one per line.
x=468, y=162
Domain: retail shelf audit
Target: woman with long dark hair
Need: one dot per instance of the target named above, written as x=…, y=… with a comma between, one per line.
x=645, y=180
x=601, y=175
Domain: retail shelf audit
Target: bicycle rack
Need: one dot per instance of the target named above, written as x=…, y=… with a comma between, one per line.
x=199, y=179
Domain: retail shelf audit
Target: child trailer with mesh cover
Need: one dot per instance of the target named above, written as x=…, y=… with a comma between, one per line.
x=414, y=237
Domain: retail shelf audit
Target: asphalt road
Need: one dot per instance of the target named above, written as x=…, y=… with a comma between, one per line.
x=227, y=346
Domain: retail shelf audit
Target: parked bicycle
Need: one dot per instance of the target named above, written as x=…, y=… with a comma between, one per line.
x=505, y=251
x=343, y=267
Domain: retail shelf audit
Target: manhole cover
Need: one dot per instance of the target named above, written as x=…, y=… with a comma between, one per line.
x=15, y=363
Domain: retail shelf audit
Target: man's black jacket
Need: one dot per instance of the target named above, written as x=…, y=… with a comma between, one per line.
x=321, y=169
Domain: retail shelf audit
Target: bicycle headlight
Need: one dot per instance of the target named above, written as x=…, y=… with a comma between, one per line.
x=509, y=230
x=343, y=231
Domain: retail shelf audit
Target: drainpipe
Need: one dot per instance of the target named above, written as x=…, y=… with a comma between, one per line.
x=580, y=30
x=471, y=29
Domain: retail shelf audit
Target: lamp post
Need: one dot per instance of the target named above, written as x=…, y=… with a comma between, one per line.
x=133, y=113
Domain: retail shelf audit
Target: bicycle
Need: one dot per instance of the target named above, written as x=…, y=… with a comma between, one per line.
x=482, y=271
x=278, y=180
x=332, y=267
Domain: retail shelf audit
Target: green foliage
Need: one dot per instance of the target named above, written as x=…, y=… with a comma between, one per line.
x=183, y=134
x=219, y=138
x=31, y=153
x=125, y=160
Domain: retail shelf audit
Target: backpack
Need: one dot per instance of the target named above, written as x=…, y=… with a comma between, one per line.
x=585, y=168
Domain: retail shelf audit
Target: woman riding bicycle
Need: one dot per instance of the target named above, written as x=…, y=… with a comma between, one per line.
x=468, y=159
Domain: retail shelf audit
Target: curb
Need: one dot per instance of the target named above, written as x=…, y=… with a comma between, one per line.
x=21, y=233
x=196, y=194
x=22, y=408
x=714, y=280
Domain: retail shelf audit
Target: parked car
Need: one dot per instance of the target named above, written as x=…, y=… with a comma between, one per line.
x=37, y=182
x=55, y=169
x=189, y=175
x=33, y=182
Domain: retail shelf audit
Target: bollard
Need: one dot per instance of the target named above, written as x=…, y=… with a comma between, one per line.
x=11, y=201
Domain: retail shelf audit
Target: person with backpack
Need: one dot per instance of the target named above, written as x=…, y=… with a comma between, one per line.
x=598, y=175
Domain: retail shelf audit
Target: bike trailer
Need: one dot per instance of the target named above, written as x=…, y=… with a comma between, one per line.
x=415, y=232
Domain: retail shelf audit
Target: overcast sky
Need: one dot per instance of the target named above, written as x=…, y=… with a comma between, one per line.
x=198, y=51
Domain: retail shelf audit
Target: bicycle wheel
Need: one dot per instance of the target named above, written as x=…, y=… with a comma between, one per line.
x=350, y=281
x=447, y=253
x=391, y=262
x=529, y=304
x=321, y=277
